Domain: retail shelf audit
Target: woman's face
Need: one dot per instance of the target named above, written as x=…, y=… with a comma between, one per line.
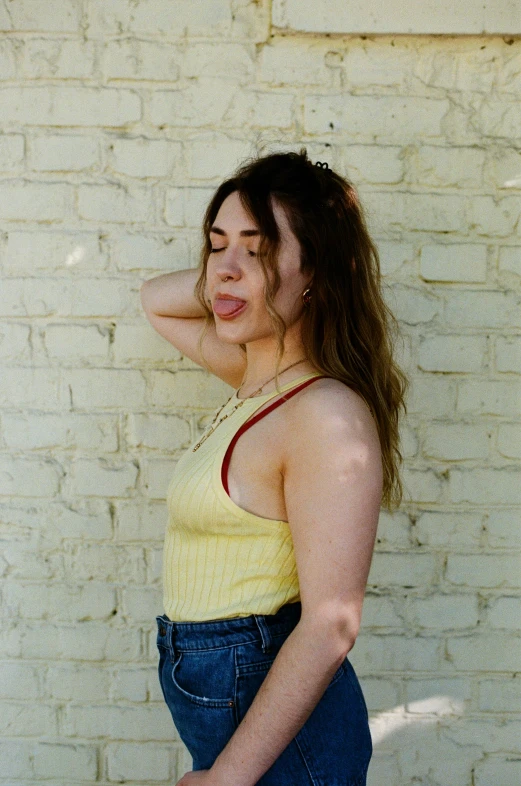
x=233, y=269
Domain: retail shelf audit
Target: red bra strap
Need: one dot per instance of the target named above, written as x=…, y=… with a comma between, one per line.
x=254, y=419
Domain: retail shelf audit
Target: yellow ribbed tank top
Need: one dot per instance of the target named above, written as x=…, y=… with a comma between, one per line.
x=219, y=560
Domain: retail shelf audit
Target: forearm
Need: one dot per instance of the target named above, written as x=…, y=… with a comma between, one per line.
x=172, y=294
x=294, y=685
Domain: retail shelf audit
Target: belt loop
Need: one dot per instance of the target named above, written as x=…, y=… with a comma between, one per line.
x=264, y=631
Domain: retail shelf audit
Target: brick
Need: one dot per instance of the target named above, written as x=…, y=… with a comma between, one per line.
x=508, y=354
x=135, y=684
x=453, y=441
x=103, y=477
x=77, y=682
x=377, y=65
x=510, y=259
x=432, y=396
x=380, y=694
x=383, y=117
x=491, y=217
x=485, y=653
x=83, y=519
x=24, y=719
x=69, y=430
x=433, y=212
x=421, y=485
x=67, y=601
x=182, y=388
x=404, y=570
x=141, y=342
x=489, y=397
x=185, y=207
x=140, y=522
x=16, y=758
x=63, y=153
x=452, y=166
x=54, y=16
x=7, y=60
x=224, y=60
x=135, y=59
x=505, y=613
x=452, y=530
x=105, y=562
x=52, y=760
x=443, y=611
x=161, y=432
x=286, y=61
x=260, y=109
x=504, y=528
x=19, y=681
x=145, y=761
x=163, y=253
x=395, y=258
x=373, y=653
x=500, y=695
x=393, y=530
x=465, y=262
x=15, y=342
x=497, y=119
x=104, y=388
x=484, y=570
x=42, y=201
x=55, y=58
x=455, y=354
x=380, y=613
x=483, y=309
x=54, y=105
x=29, y=477
x=142, y=158
x=114, y=203
x=157, y=474
x=63, y=342
x=142, y=604
x=159, y=17
x=485, y=486
x=183, y=107
x=509, y=440
x=211, y=154
x=11, y=146
x=90, y=641
x=506, y=771
x=121, y=722
x=440, y=696
x=414, y=306
x=53, y=251
x=373, y=164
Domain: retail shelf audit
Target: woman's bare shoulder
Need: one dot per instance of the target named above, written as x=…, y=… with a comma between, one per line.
x=329, y=405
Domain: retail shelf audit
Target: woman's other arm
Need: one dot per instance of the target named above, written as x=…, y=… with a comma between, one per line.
x=171, y=307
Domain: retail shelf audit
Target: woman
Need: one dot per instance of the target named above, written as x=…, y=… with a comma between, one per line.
x=273, y=509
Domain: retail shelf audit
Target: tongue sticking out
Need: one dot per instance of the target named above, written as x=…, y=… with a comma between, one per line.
x=227, y=307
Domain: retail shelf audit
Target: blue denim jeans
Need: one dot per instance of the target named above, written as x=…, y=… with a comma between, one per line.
x=210, y=673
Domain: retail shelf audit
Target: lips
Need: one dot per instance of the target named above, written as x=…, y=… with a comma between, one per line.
x=225, y=307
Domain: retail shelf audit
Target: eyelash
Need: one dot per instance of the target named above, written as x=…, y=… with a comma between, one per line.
x=215, y=250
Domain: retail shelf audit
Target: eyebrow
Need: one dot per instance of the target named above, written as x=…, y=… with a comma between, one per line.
x=242, y=233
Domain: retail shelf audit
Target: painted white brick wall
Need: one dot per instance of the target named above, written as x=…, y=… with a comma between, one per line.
x=119, y=119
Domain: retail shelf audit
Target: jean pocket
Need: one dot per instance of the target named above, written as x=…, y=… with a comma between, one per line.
x=206, y=678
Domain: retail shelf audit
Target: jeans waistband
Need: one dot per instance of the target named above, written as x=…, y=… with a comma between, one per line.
x=215, y=634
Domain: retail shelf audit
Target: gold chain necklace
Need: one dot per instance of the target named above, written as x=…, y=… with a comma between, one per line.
x=241, y=402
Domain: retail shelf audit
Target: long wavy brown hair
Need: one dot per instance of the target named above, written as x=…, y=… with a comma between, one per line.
x=348, y=330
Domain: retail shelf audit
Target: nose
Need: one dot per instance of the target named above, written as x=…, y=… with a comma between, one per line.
x=226, y=264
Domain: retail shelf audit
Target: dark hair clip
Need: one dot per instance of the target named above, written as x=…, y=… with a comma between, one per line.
x=322, y=164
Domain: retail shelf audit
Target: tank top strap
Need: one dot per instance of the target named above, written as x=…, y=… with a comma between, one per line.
x=253, y=420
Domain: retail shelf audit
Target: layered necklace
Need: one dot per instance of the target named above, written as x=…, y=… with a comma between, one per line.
x=212, y=427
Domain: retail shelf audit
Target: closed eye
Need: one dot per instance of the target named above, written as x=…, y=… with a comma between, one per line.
x=216, y=251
